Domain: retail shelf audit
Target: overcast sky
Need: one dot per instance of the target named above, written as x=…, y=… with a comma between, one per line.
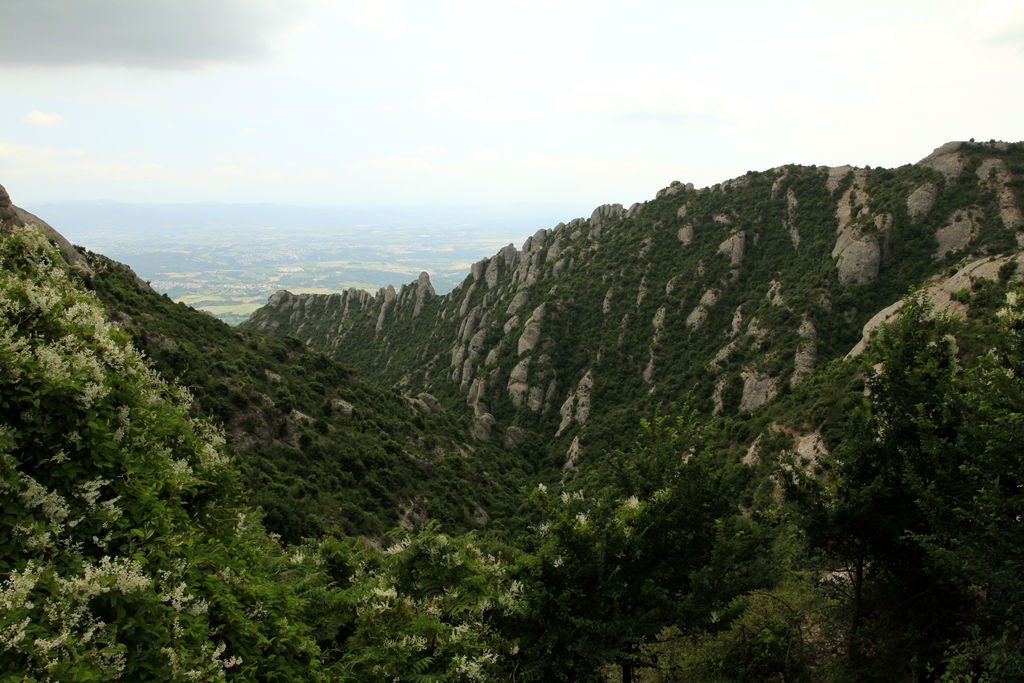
x=449, y=102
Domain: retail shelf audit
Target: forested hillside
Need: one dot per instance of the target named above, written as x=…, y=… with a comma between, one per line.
x=736, y=292
x=318, y=446
x=662, y=448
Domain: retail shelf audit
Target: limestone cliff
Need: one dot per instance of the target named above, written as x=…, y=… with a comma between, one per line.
x=737, y=291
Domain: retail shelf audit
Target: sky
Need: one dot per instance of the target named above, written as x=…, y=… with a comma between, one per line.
x=436, y=102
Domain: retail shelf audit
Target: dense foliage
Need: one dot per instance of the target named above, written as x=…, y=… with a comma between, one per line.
x=124, y=549
x=680, y=546
x=728, y=293
x=318, y=447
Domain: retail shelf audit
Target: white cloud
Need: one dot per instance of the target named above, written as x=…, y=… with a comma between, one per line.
x=42, y=118
x=454, y=101
x=394, y=163
x=491, y=153
x=654, y=92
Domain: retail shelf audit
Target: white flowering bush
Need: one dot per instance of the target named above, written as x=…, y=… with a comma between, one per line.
x=427, y=608
x=123, y=550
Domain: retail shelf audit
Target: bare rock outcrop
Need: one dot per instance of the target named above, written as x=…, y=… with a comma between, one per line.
x=940, y=293
x=513, y=437
x=342, y=406
x=482, y=427
x=858, y=254
x=13, y=216
x=572, y=455
x=658, y=323
x=836, y=176
x=699, y=314
x=423, y=290
x=806, y=353
x=921, y=200
x=518, y=382
x=685, y=233
x=790, y=222
x=531, y=332
x=517, y=302
x=995, y=175
x=602, y=215
x=758, y=389
x=576, y=407
x=423, y=402
x=947, y=160
x=8, y=216
x=673, y=188
x=735, y=247
x=859, y=259
x=963, y=226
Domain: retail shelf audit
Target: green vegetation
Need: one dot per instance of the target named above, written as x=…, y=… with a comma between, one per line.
x=622, y=296
x=232, y=507
x=317, y=446
x=126, y=550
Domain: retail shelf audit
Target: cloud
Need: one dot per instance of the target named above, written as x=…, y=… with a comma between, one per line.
x=380, y=17
x=653, y=94
x=491, y=153
x=461, y=100
x=393, y=163
x=158, y=34
x=42, y=118
x=80, y=174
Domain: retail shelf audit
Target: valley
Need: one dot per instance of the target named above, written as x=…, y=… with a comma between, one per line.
x=763, y=430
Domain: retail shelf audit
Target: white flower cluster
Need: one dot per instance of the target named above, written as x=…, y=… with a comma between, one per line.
x=54, y=483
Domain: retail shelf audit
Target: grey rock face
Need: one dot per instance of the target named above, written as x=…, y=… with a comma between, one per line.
x=423, y=290
x=921, y=200
x=996, y=176
x=601, y=216
x=758, y=389
x=807, y=352
x=482, y=427
x=735, y=247
x=513, y=437
x=518, y=382
x=963, y=226
x=577, y=405
x=947, y=160
x=531, y=333
x=699, y=314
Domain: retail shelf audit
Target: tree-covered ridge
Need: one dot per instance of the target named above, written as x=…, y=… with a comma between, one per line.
x=741, y=289
x=862, y=525
x=318, y=446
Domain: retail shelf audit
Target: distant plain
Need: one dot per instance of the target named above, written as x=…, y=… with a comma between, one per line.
x=227, y=259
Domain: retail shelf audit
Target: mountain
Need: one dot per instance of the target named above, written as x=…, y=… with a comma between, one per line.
x=708, y=438
x=733, y=294
x=319, y=447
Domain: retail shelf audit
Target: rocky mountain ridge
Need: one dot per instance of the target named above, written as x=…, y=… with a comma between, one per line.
x=734, y=292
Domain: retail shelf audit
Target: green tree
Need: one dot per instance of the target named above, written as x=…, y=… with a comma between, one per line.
x=904, y=607
x=425, y=608
x=656, y=539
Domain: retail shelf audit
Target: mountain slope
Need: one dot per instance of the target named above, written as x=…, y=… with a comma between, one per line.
x=124, y=541
x=319, y=446
x=736, y=291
